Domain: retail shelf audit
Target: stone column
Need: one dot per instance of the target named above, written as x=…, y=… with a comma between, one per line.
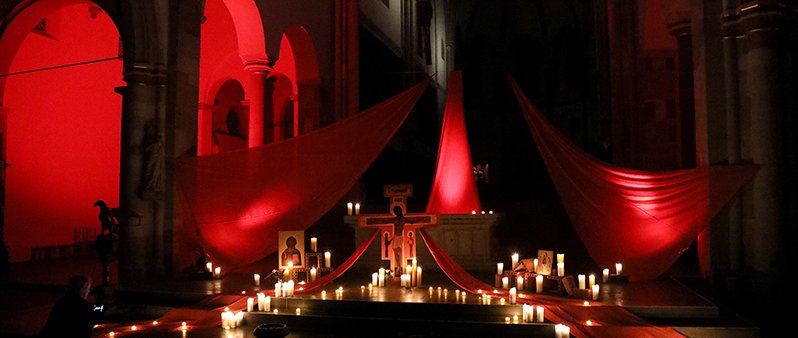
x=4, y=254
x=259, y=70
x=139, y=120
x=205, y=129
x=686, y=118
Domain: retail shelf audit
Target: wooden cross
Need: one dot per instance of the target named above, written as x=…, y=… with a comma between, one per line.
x=397, y=234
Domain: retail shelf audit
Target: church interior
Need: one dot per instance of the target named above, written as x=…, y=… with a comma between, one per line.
x=402, y=168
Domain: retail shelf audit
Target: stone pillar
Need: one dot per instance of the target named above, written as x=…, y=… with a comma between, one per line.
x=4, y=254
x=259, y=70
x=158, y=268
x=762, y=26
x=686, y=118
x=205, y=129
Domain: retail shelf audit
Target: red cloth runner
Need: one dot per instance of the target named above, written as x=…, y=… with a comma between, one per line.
x=326, y=279
x=607, y=320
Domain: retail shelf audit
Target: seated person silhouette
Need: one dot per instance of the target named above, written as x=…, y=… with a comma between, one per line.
x=291, y=254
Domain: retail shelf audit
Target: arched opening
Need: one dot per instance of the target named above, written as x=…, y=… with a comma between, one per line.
x=299, y=63
x=230, y=117
x=60, y=64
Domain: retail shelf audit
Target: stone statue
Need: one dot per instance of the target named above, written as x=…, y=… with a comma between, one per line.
x=106, y=242
x=153, y=171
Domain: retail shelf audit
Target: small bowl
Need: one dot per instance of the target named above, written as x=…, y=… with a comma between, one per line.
x=271, y=330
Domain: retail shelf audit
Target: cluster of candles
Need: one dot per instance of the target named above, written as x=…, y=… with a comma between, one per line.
x=217, y=272
x=474, y=212
x=562, y=331
x=591, y=285
x=231, y=320
x=458, y=295
x=533, y=313
x=618, y=271
x=412, y=276
x=349, y=209
x=284, y=289
x=339, y=292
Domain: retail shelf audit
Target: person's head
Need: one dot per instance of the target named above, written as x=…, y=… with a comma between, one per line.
x=290, y=242
x=397, y=210
x=79, y=285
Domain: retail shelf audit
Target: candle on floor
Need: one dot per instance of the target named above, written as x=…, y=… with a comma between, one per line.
x=618, y=269
x=257, y=279
x=514, y=259
x=327, y=263
x=357, y=208
x=595, y=289
x=430, y=291
x=250, y=304
x=581, y=278
x=499, y=268
x=313, y=243
x=217, y=272
x=374, y=278
x=349, y=208
x=519, y=282
x=591, y=280
x=209, y=266
x=540, y=312
x=505, y=283
x=539, y=284
x=313, y=273
x=535, y=265
x=605, y=275
x=513, y=295
x=561, y=269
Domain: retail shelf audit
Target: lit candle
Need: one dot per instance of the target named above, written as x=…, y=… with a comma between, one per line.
x=618, y=269
x=519, y=282
x=278, y=289
x=209, y=266
x=349, y=208
x=374, y=278
x=381, y=278
x=540, y=312
x=561, y=269
x=499, y=268
x=217, y=272
x=514, y=259
x=505, y=283
x=250, y=304
x=525, y=313
x=327, y=263
x=430, y=291
x=535, y=265
x=605, y=275
x=490, y=212
x=418, y=276
x=323, y=294
x=591, y=280
x=473, y=212
x=256, y=277
x=562, y=331
x=405, y=278
x=287, y=274
x=313, y=242
x=560, y=258
x=288, y=287
x=501, y=301
x=408, y=269
x=595, y=289
x=133, y=328
x=513, y=294
x=313, y=272
x=581, y=278
x=298, y=311
x=357, y=208
x=239, y=317
x=539, y=284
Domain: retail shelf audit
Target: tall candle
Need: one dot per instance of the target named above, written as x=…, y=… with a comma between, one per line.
x=257, y=279
x=357, y=208
x=349, y=208
x=535, y=265
x=539, y=284
x=499, y=268
x=591, y=280
x=278, y=289
x=505, y=283
x=514, y=259
x=561, y=269
x=540, y=312
x=217, y=272
x=381, y=277
x=581, y=278
x=374, y=278
x=414, y=263
x=595, y=289
x=519, y=282
x=286, y=274
x=250, y=304
x=618, y=269
x=327, y=263
x=560, y=258
x=313, y=272
x=605, y=275
x=513, y=294
x=313, y=242
x=418, y=276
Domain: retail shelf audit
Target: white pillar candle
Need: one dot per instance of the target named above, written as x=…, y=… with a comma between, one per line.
x=514, y=259
x=323, y=294
x=540, y=313
x=591, y=280
x=560, y=258
x=505, y=283
x=519, y=282
x=327, y=263
x=618, y=269
x=513, y=294
x=581, y=278
x=535, y=265
x=349, y=208
x=418, y=276
x=313, y=272
x=217, y=273
x=595, y=289
x=313, y=244
x=414, y=263
x=539, y=284
x=290, y=288
x=374, y=278
x=209, y=266
x=357, y=208
x=298, y=311
x=430, y=291
x=381, y=278
x=256, y=277
x=499, y=268
x=278, y=289
x=561, y=269
x=250, y=304
x=239, y=318
x=605, y=275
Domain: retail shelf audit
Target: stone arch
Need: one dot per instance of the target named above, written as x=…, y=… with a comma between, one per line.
x=298, y=61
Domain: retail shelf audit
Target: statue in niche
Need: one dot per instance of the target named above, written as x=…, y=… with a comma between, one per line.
x=233, y=123
x=106, y=243
x=153, y=171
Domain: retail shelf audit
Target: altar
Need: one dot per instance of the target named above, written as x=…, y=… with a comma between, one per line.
x=469, y=239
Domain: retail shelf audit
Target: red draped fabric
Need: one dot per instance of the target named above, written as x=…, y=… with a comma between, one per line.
x=453, y=189
x=607, y=320
x=237, y=201
x=639, y=218
x=326, y=279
